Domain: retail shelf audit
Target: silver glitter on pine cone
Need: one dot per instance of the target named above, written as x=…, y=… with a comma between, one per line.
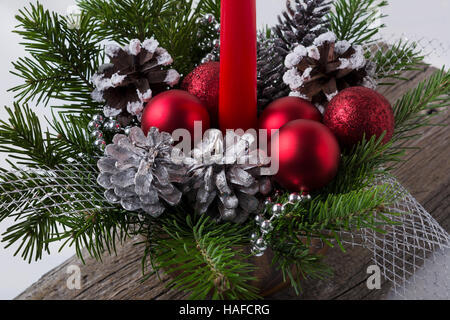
x=138, y=172
x=225, y=178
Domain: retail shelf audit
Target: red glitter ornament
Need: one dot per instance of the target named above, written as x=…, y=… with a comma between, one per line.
x=308, y=155
x=203, y=83
x=287, y=109
x=357, y=111
x=174, y=109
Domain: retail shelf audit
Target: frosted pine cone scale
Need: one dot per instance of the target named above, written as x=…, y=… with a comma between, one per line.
x=138, y=173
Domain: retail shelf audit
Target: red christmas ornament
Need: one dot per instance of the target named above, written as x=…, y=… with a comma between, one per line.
x=357, y=111
x=287, y=109
x=308, y=155
x=174, y=109
x=203, y=83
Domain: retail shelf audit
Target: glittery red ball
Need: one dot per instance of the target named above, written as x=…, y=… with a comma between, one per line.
x=174, y=109
x=287, y=109
x=357, y=111
x=203, y=83
x=308, y=155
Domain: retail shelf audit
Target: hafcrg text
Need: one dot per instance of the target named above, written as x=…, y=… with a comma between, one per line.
x=250, y=309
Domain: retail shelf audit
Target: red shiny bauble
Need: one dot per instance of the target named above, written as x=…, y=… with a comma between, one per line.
x=287, y=109
x=174, y=109
x=308, y=155
x=203, y=83
x=357, y=111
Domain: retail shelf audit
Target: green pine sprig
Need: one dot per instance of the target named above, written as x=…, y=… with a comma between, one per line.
x=61, y=60
x=28, y=143
x=205, y=259
x=353, y=20
x=59, y=204
x=297, y=263
x=171, y=22
x=25, y=141
x=210, y=6
x=323, y=218
x=411, y=110
x=393, y=60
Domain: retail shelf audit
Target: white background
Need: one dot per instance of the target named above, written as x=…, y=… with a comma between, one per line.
x=412, y=18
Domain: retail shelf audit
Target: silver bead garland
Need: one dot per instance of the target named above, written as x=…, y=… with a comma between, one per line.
x=214, y=44
x=277, y=210
x=98, y=125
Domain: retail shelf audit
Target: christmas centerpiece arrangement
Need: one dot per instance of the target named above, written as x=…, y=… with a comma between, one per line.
x=176, y=121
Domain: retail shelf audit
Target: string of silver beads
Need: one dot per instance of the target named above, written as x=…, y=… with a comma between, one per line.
x=214, y=44
x=99, y=124
x=275, y=211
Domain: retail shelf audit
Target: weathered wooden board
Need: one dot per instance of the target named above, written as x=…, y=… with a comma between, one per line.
x=425, y=174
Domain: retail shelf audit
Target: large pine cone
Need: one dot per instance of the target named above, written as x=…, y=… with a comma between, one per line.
x=138, y=172
x=219, y=184
x=301, y=23
x=319, y=72
x=133, y=77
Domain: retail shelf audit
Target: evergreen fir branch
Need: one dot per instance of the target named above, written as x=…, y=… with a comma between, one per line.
x=210, y=6
x=125, y=20
x=97, y=231
x=176, y=31
x=354, y=210
x=205, y=259
x=297, y=264
x=416, y=109
x=323, y=218
x=72, y=139
x=50, y=205
x=361, y=165
x=61, y=60
x=180, y=34
x=353, y=20
x=432, y=93
x=33, y=234
x=393, y=61
x=22, y=138
x=25, y=142
x=42, y=80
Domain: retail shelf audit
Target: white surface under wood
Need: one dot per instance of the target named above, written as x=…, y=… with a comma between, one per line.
x=432, y=281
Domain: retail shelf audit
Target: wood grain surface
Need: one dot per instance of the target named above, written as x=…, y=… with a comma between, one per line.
x=425, y=174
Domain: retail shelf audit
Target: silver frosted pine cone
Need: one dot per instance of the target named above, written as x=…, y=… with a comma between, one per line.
x=225, y=178
x=138, y=172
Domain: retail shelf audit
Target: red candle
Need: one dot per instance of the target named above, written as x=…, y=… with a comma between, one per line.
x=238, y=95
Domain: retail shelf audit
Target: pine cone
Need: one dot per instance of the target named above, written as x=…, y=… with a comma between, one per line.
x=133, y=77
x=217, y=177
x=300, y=24
x=318, y=72
x=270, y=73
x=138, y=172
